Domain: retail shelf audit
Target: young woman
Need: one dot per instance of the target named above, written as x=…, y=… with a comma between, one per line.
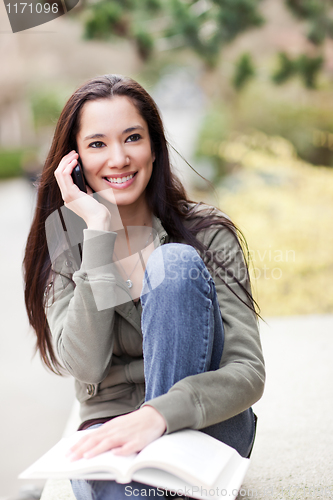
x=139, y=293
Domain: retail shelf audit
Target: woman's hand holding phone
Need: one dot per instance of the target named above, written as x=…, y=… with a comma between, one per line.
x=78, y=177
x=95, y=215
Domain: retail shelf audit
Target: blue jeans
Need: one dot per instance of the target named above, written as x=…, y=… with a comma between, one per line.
x=182, y=335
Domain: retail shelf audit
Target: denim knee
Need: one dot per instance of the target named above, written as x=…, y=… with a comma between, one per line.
x=174, y=264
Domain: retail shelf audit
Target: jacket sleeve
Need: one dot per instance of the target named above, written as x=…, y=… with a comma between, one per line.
x=80, y=308
x=205, y=399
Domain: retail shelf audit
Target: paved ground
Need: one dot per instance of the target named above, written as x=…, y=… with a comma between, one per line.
x=34, y=403
x=293, y=455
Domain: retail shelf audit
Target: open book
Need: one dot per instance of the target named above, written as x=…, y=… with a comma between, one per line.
x=188, y=462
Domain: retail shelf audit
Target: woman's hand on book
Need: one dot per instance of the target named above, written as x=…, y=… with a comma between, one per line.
x=95, y=215
x=123, y=435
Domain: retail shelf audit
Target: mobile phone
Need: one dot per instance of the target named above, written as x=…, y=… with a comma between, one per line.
x=78, y=177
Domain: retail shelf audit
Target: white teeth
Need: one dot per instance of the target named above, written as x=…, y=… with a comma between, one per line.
x=119, y=180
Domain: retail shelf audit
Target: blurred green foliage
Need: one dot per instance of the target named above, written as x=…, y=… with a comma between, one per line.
x=244, y=71
x=106, y=19
x=308, y=127
x=309, y=68
x=18, y=162
x=304, y=66
x=144, y=43
x=204, y=26
x=285, y=70
x=216, y=127
x=284, y=208
x=10, y=163
x=46, y=107
x=318, y=14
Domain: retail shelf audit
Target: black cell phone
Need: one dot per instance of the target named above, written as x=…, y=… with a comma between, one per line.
x=78, y=177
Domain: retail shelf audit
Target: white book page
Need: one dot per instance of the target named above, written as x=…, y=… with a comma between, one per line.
x=191, y=455
x=227, y=485
x=121, y=464
x=55, y=463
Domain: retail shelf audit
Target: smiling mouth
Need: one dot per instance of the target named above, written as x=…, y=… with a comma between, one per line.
x=120, y=180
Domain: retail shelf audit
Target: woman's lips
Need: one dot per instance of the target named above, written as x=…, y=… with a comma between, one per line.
x=122, y=185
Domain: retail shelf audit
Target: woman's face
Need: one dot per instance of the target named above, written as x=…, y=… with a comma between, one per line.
x=115, y=150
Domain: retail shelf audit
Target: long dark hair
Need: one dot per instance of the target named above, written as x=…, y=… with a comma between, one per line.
x=166, y=197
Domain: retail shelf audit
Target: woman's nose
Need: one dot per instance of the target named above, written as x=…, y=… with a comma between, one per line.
x=118, y=157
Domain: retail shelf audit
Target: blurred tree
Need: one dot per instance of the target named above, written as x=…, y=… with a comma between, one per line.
x=108, y=17
x=10, y=163
x=306, y=67
x=203, y=25
x=286, y=69
x=46, y=108
x=244, y=71
x=318, y=13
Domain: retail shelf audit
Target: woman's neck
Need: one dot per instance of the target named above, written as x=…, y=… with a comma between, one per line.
x=124, y=216
x=135, y=218
x=136, y=214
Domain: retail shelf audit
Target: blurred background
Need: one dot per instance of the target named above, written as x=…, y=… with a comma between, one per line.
x=245, y=90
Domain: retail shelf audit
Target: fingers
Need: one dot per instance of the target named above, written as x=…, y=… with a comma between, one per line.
x=76, y=451
x=69, y=190
x=127, y=449
x=95, y=215
x=89, y=446
x=123, y=435
x=106, y=444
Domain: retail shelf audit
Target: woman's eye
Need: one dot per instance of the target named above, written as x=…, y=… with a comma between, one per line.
x=96, y=144
x=133, y=138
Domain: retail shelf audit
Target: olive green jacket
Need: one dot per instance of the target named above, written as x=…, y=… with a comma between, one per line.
x=100, y=342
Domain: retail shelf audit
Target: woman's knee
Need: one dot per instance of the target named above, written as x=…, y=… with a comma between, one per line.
x=238, y=432
x=175, y=265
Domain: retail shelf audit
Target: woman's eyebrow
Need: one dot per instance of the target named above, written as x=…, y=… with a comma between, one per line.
x=126, y=131
x=131, y=129
x=94, y=136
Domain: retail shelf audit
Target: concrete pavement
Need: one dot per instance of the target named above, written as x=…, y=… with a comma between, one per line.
x=293, y=454
x=34, y=403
